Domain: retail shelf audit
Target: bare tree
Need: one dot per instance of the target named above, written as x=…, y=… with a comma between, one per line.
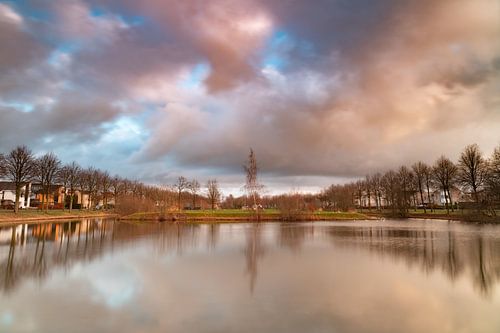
x=89, y=181
x=19, y=166
x=194, y=188
x=377, y=189
x=444, y=172
x=117, y=187
x=359, y=193
x=63, y=178
x=213, y=192
x=252, y=185
x=472, y=170
x=368, y=190
x=428, y=180
x=390, y=184
x=3, y=169
x=69, y=178
x=104, y=184
x=47, y=168
x=420, y=169
x=180, y=186
x=405, y=178
x=493, y=180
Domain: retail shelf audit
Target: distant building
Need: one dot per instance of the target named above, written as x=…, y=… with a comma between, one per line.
x=55, y=197
x=8, y=192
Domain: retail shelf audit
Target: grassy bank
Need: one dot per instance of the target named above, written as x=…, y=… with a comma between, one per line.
x=235, y=215
x=8, y=216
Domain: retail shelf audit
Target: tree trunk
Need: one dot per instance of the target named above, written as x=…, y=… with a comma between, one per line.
x=476, y=197
x=451, y=202
x=63, y=199
x=16, y=204
x=446, y=201
x=47, y=201
x=422, y=197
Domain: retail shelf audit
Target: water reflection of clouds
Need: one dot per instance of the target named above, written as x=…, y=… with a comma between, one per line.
x=354, y=277
x=112, y=281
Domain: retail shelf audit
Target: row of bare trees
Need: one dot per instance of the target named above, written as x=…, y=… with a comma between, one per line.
x=21, y=166
x=475, y=176
x=212, y=194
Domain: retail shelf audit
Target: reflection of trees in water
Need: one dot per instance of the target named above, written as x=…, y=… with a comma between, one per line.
x=213, y=235
x=293, y=236
x=254, y=250
x=43, y=247
x=487, y=271
x=452, y=252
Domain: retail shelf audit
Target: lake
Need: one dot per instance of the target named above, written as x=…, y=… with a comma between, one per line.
x=364, y=276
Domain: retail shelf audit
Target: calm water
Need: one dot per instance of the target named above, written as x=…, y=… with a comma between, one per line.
x=367, y=276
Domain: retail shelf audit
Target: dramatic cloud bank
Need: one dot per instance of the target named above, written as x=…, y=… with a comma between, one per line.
x=322, y=90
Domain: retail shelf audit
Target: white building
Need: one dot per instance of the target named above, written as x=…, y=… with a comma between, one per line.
x=8, y=192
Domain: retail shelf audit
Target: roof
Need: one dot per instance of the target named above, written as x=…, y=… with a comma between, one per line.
x=37, y=188
x=7, y=186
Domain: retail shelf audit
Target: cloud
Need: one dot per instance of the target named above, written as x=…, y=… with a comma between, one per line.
x=338, y=89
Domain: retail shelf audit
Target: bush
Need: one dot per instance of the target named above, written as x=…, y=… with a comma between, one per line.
x=128, y=205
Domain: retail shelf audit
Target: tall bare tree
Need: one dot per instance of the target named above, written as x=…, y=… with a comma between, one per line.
x=444, y=172
x=368, y=190
x=213, y=193
x=47, y=168
x=194, y=188
x=377, y=189
x=19, y=167
x=3, y=170
x=420, y=169
x=472, y=170
x=405, y=178
x=181, y=184
x=390, y=184
x=63, y=178
x=252, y=186
x=104, y=184
x=429, y=182
x=89, y=181
x=493, y=180
x=359, y=193
x=69, y=178
x=117, y=187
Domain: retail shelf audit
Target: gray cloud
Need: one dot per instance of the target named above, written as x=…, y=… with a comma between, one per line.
x=364, y=85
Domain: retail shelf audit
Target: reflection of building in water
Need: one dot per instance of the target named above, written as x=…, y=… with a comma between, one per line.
x=32, y=251
x=453, y=252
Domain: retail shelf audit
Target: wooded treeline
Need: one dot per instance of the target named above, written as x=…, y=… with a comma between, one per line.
x=474, y=179
x=21, y=166
x=472, y=182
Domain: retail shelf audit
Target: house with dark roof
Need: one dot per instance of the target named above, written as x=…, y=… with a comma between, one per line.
x=8, y=193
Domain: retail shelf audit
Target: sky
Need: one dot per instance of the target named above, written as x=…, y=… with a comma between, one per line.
x=324, y=91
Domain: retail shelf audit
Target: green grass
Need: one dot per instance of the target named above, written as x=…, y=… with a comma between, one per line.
x=227, y=212
x=239, y=214
x=341, y=215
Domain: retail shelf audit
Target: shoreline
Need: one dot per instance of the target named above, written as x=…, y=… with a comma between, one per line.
x=453, y=217
x=43, y=218
x=228, y=218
